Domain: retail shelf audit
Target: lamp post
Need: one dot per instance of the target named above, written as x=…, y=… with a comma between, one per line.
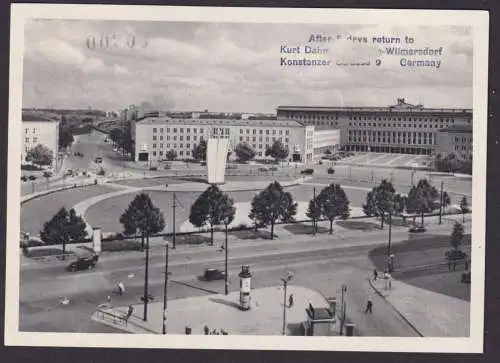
x=146, y=274
x=226, y=285
x=343, y=309
x=441, y=200
x=389, y=254
x=285, y=280
x=165, y=292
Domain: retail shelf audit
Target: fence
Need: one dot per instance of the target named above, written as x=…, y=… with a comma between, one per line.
x=114, y=316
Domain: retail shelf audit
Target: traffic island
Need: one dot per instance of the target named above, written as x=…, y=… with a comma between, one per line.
x=222, y=313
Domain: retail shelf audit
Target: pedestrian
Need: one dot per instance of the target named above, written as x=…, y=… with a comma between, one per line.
x=375, y=275
x=290, y=301
x=466, y=265
x=121, y=288
x=454, y=265
x=207, y=330
x=369, y=306
x=109, y=299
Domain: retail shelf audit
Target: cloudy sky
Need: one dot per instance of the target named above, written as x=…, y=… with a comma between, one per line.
x=233, y=67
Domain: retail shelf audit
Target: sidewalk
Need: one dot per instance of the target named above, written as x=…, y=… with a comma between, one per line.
x=265, y=316
x=430, y=313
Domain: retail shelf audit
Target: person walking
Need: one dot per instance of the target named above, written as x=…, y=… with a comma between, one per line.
x=121, y=288
x=290, y=301
x=375, y=275
x=369, y=306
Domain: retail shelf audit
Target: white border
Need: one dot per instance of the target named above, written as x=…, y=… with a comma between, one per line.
x=479, y=20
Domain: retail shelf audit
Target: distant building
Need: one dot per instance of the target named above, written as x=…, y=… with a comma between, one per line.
x=39, y=129
x=457, y=140
x=155, y=135
x=326, y=139
x=400, y=128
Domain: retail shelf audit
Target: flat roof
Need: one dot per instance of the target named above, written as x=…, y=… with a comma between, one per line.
x=165, y=120
x=458, y=128
x=395, y=108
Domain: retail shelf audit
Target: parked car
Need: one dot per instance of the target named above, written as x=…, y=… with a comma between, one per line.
x=32, y=177
x=69, y=172
x=98, y=160
x=212, y=274
x=83, y=263
x=417, y=228
x=24, y=178
x=153, y=168
x=273, y=168
x=331, y=171
x=167, y=167
x=454, y=255
x=115, y=149
x=307, y=171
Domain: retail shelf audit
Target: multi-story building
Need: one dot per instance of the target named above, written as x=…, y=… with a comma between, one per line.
x=38, y=129
x=401, y=128
x=326, y=139
x=455, y=140
x=154, y=136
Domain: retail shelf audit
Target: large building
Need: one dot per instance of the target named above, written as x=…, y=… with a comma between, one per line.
x=39, y=129
x=455, y=140
x=154, y=136
x=400, y=128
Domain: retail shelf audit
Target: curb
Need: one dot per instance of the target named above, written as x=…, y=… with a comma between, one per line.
x=377, y=291
x=29, y=197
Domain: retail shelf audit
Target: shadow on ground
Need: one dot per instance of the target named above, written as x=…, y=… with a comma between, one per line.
x=302, y=228
x=191, y=239
x=225, y=302
x=250, y=234
x=359, y=225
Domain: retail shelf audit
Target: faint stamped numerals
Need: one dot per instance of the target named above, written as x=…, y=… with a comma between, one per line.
x=115, y=42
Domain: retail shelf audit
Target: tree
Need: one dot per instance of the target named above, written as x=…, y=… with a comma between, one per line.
x=142, y=217
x=464, y=207
x=212, y=207
x=334, y=203
x=446, y=200
x=457, y=235
x=171, y=155
x=314, y=211
x=244, y=152
x=200, y=151
x=63, y=228
x=271, y=205
x=400, y=202
x=65, y=137
x=422, y=198
x=380, y=201
x=328, y=152
x=278, y=151
x=40, y=155
x=115, y=135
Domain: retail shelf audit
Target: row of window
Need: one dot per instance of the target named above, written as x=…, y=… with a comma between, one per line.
x=27, y=130
x=254, y=138
x=181, y=137
x=383, y=140
x=180, y=129
x=463, y=139
x=186, y=153
x=420, y=126
x=174, y=146
x=315, y=117
x=463, y=147
x=261, y=132
x=393, y=133
x=27, y=140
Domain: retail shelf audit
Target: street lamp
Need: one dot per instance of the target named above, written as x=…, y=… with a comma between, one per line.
x=226, y=286
x=343, y=309
x=146, y=274
x=165, y=292
x=285, y=280
x=389, y=253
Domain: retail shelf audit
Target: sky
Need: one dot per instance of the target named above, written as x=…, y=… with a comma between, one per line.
x=228, y=67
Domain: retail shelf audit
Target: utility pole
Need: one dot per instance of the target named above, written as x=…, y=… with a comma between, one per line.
x=226, y=287
x=173, y=224
x=389, y=264
x=165, y=292
x=285, y=285
x=342, y=307
x=441, y=203
x=146, y=275
x=314, y=211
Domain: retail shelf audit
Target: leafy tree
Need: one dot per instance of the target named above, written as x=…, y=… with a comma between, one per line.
x=446, y=200
x=278, y=151
x=244, y=152
x=63, y=228
x=334, y=203
x=464, y=207
x=200, y=151
x=65, y=137
x=171, y=154
x=212, y=207
x=457, y=235
x=421, y=198
x=400, y=202
x=271, y=205
x=142, y=217
x=314, y=211
x=380, y=201
x=116, y=135
x=40, y=155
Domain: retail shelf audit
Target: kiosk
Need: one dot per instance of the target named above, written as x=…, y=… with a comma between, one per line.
x=245, y=287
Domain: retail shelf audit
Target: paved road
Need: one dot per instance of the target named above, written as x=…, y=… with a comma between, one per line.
x=323, y=267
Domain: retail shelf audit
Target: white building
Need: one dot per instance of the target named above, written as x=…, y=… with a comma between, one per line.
x=37, y=129
x=154, y=136
x=326, y=139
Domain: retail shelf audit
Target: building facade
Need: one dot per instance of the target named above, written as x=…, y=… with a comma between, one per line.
x=37, y=129
x=455, y=140
x=401, y=128
x=154, y=136
x=326, y=139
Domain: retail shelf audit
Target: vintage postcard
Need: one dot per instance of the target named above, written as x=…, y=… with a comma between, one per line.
x=291, y=179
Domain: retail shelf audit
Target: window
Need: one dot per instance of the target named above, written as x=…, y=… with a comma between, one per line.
x=154, y=153
x=154, y=129
x=168, y=146
x=194, y=137
x=287, y=132
x=161, y=146
x=188, y=146
x=260, y=132
x=181, y=153
x=161, y=153
x=254, y=131
x=175, y=137
x=195, y=130
x=161, y=137
x=168, y=137
x=27, y=139
x=181, y=146
x=154, y=146
x=35, y=139
x=168, y=129
x=241, y=131
x=181, y=138
x=161, y=129
x=241, y=138
x=175, y=129
x=181, y=129
x=267, y=132
x=188, y=130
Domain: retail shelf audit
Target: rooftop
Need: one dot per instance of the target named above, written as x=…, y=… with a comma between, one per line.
x=458, y=128
x=401, y=105
x=216, y=122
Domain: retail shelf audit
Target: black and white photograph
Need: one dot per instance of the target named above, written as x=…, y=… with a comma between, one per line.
x=291, y=179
